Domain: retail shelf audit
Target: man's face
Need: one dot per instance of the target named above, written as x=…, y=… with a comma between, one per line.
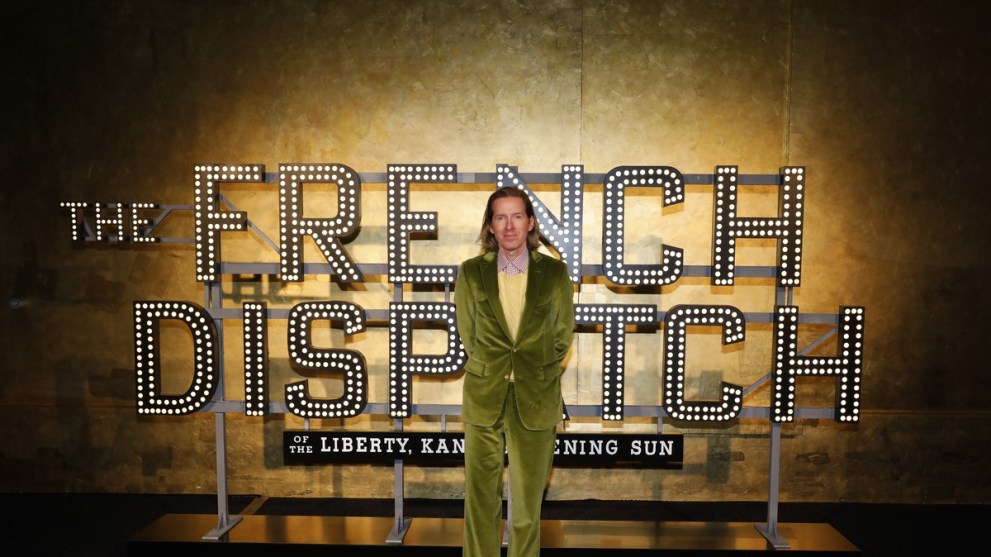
x=510, y=225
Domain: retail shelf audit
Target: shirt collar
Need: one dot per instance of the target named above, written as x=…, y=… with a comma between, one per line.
x=516, y=266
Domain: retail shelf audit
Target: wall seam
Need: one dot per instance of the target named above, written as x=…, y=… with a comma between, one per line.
x=786, y=139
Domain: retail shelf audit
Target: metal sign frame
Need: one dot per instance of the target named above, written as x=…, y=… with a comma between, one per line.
x=221, y=405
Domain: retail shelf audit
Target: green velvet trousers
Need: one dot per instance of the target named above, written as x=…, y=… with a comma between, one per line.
x=531, y=454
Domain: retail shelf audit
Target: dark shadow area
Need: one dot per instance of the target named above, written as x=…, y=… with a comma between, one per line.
x=102, y=524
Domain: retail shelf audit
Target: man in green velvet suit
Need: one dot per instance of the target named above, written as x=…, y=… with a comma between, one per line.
x=516, y=319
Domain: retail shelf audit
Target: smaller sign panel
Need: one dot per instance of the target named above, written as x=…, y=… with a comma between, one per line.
x=327, y=447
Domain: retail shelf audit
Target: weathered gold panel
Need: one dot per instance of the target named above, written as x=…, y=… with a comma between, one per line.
x=116, y=101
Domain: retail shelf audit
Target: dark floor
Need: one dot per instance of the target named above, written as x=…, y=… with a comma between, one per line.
x=101, y=524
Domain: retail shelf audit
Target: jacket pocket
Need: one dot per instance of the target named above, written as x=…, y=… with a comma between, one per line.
x=475, y=367
x=550, y=371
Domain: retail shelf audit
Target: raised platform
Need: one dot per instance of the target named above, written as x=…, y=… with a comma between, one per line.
x=366, y=536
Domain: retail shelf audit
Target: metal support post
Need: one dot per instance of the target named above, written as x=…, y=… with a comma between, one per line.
x=224, y=520
x=770, y=530
x=400, y=523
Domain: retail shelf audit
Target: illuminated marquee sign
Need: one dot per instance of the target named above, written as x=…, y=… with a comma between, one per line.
x=213, y=220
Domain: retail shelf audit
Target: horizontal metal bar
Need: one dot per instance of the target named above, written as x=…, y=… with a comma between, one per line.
x=383, y=314
x=692, y=271
x=555, y=178
x=582, y=410
x=308, y=268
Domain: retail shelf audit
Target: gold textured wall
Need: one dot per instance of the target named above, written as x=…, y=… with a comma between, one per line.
x=881, y=101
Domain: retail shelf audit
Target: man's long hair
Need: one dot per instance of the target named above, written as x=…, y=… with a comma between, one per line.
x=488, y=240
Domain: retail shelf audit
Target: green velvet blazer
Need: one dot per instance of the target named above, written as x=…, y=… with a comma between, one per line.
x=535, y=357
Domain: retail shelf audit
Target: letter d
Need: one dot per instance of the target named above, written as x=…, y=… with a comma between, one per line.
x=147, y=357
